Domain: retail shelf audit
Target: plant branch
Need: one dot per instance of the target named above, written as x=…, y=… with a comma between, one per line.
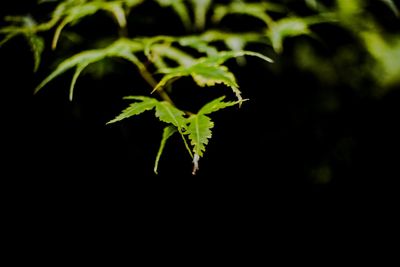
x=153, y=83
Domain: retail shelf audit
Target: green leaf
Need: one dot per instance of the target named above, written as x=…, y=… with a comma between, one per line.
x=73, y=15
x=121, y=48
x=392, y=6
x=136, y=108
x=175, y=54
x=208, y=71
x=209, y=75
x=118, y=12
x=199, y=131
x=180, y=8
x=8, y=37
x=37, y=46
x=168, y=132
x=225, y=55
x=286, y=27
x=200, y=12
x=132, y=3
x=166, y=112
x=198, y=43
x=216, y=105
x=71, y=12
x=257, y=10
x=170, y=114
x=78, y=71
x=27, y=27
x=84, y=58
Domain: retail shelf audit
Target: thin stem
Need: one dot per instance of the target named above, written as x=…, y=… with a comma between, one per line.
x=153, y=83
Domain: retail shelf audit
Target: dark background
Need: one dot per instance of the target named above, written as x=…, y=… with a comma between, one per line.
x=284, y=144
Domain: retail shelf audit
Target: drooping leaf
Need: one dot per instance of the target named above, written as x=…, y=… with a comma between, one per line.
x=349, y=8
x=392, y=6
x=132, y=3
x=136, y=108
x=71, y=12
x=200, y=12
x=167, y=133
x=286, y=27
x=257, y=10
x=199, y=131
x=172, y=53
x=73, y=15
x=7, y=38
x=121, y=48
x=27, y=27
x=78, y=71
x=208, y=71
x=385, y=50
x=180, y=8
x=225, y=55
x=167, y=113
x=315, y=5
x=198, y=43
x=37, y=46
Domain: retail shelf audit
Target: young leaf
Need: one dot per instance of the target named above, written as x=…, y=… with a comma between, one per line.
x=168, y=132
x=136, y=108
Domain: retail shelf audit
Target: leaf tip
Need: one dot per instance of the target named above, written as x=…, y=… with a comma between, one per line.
x=196, y=159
